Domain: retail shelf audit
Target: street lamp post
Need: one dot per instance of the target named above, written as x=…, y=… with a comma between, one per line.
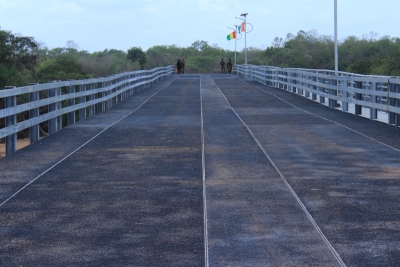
x=336, y=42
x=245, y=31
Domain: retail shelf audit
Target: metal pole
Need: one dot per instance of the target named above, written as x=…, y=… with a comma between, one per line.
x=235, y=43
x=245, y=34
x=245, y=44
x=336, y=42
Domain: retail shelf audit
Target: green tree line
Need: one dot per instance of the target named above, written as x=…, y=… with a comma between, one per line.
x=23, y=60
x=366, y=55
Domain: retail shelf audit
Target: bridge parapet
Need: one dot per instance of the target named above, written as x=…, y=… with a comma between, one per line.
x=78, y=99
x=376, y=93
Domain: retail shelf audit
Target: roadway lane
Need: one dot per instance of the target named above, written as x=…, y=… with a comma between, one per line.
x=131, y=197
x=253, y=219
x=344, y=168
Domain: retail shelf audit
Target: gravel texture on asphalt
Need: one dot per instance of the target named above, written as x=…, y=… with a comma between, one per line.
x=344, y=168
x=127, y=187
x=253, y=219
x=130, y=197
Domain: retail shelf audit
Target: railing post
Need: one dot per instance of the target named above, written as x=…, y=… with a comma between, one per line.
x=247, y=72
x=288, y=80
x=322, y=89
x=124, y=94
x=11, y=140
x=106, y=93
x=58, y=107
x=333, y=82
x=91, y=98
x=373, y=115
x=293, y=81
x=147, y=79
x=358, y=96
x=55, y=124
x=52, y=107
x=314, y=95
x=299, y=90
x=307, y=93
x=34, y=129
x=100, y=106
x=136, y=88
x=265, y=76
x=394, y=118
x=82, y=99
x=71, y=102
x=397, y=120
x=345, y=95
x=113, y=101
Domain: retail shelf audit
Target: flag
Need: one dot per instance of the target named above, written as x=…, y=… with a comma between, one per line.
x=243, y=27
x=231, y=36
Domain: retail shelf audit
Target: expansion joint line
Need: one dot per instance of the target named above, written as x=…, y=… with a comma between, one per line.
x=303, y=207
x=87, y=142
x=203, y=162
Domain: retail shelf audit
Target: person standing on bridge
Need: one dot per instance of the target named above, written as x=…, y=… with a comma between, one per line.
x=222, y=63
x=179, y=66
x=183, y=65
x=229, y=65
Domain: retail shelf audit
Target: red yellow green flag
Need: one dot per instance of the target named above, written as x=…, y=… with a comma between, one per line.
x=231, y=36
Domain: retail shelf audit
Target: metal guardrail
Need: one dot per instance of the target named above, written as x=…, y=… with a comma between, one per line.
x=78, y=99
x=378, y=93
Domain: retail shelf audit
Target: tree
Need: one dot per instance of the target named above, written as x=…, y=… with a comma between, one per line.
x=17, y=55
x=136, y=54
x=199, y=45
x=106, y=62
x=277, y=43
x=61, y=67
x=72, y=44
x=163, y=55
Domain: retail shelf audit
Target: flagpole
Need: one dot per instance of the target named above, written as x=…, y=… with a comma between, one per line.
x=235, y=39
x=235, y=43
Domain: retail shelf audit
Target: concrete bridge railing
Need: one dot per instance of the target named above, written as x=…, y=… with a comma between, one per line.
x=376, y=93
x=75, y=99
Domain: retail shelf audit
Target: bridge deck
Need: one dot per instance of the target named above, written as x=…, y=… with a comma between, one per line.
x=206, y=170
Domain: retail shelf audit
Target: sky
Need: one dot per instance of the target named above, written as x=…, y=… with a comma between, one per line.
x=96, y=25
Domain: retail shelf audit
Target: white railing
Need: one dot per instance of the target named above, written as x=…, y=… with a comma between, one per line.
x=75, y=99
x=375, y=97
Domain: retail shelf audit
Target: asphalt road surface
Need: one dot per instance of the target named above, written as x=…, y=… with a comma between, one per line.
x=206, y=170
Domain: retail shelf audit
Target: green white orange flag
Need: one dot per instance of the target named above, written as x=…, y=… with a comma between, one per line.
x=231, y=36
x=242, y=27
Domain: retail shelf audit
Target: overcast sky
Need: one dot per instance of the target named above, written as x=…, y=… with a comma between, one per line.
x=96, y=25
